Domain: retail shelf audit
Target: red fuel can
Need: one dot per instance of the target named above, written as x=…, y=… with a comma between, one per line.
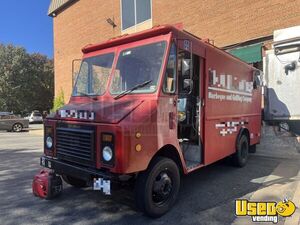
x=46, y=184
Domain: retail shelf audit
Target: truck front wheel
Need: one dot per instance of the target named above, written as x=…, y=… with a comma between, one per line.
x=74, y=181
x=156, y=189
x=241, y=155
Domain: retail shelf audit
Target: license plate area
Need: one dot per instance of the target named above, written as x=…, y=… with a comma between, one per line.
x=45, y=163
x=103, y=185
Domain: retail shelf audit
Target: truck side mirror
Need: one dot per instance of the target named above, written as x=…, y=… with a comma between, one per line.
x=186, y=67
x=256, y=79
x=188, y=85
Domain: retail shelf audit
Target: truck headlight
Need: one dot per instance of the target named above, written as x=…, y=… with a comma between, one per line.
x=108, y=149
x=49, y=142
x=107, y=153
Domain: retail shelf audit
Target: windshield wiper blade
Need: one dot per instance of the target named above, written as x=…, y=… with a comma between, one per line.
x=132, y=89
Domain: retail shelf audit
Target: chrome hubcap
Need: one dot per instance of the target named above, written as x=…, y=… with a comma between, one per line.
x=17, y=127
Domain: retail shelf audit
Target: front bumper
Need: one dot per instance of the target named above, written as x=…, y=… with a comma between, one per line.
x=80, y=172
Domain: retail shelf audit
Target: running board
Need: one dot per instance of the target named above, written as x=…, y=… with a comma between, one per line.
x=191, y=166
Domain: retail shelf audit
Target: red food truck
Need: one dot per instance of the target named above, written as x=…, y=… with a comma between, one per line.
x=149, y=107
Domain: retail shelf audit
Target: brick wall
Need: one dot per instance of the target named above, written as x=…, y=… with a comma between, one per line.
x=229, y=21
x=226, y=22
x=82, y=23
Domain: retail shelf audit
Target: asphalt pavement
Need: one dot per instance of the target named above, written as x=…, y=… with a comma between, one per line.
x=207, y=196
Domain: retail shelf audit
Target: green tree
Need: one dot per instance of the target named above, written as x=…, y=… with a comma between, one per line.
x=59, y=101
x=26, y=80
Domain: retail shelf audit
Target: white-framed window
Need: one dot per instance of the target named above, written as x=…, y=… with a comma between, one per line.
x=134, y=12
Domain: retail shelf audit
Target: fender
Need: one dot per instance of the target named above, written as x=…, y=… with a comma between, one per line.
x=171, y=152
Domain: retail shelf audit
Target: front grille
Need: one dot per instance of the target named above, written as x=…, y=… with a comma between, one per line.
x=75, y=145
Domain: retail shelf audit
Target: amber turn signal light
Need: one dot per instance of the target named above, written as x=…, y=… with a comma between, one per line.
x=138, y=147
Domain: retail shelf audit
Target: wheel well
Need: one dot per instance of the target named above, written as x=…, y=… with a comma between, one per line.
x=169, y=151
x=243, y=131
x=17, y=123
x=247, y=133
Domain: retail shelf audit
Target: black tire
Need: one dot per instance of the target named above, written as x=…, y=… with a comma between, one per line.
x=17, y=127
x=156, y=189
x=74, y=181
x=241, y=155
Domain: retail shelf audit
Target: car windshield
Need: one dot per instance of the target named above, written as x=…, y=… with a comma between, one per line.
x=137, y=65
x=93, y=75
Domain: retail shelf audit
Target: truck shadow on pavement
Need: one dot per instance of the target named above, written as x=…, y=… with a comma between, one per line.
x=206, y=197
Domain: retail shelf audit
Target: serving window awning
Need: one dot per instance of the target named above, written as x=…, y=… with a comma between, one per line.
x=249, y=54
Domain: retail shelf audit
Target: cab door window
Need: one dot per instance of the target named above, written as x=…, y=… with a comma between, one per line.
x=170, y=76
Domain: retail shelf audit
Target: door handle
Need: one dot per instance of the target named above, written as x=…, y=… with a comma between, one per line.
x=175, y=102
x=171, y=120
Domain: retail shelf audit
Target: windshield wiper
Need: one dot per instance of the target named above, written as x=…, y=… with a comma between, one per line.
x=132, y=89
x=86, y=95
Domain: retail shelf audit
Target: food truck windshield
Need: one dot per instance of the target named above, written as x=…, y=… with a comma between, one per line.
x=137, y=70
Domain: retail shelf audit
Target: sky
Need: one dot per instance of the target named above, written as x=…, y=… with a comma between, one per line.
x=25, y=23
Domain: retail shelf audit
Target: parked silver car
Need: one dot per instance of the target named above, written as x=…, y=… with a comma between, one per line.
x=35, y=117
x=13, y=123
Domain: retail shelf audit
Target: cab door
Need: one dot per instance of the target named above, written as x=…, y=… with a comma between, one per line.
x=5, y=122
x=189, y=104
x=2, y=123
x=170, y=88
